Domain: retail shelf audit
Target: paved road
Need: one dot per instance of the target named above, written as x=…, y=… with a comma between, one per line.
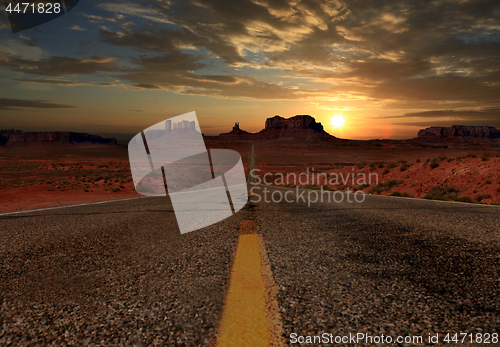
x=121, y=274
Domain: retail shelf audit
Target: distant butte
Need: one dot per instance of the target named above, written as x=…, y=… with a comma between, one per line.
x=302, y=127
x=459, y=134
x=53, y=139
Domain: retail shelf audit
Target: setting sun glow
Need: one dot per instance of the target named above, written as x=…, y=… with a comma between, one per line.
x=337, y=121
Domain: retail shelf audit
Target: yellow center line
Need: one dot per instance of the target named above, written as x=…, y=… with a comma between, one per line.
x=246, y=320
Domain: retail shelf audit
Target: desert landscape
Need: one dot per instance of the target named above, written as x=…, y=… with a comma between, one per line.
x=40, y=170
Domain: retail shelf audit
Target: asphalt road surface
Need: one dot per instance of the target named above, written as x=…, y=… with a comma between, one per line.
x=120, y=273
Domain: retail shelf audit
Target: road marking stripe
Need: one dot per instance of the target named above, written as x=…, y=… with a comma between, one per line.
x=246, y=320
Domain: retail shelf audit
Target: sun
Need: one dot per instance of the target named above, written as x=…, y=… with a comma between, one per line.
x=337, y=121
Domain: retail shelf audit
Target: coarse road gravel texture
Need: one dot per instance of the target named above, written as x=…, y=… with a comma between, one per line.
x=112, y=274
x=121, y=274
x=389, y=265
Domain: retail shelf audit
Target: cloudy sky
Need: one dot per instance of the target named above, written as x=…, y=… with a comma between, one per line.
x=382, y=68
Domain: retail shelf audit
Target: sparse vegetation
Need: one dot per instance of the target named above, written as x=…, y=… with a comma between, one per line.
x=401, y=194
x=434, y=164
x=403, y=167
x=480, y=197
x=10, y=131
x=443, y=193
x=485, y=156
x=385, y=186
x=465, y=198
x=489, y=181
x=362, y=186
x=361, y=165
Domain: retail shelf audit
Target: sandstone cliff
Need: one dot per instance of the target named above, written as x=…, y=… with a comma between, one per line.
x=53, y=139
x=460, y=133
x=301, y=127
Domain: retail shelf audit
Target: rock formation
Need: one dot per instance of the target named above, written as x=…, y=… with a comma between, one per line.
x=301, y=127
x=237, y=133
x=53, y=139
x=460, y=133
x=295, y=128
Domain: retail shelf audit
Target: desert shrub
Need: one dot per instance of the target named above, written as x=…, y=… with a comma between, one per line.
x=489, y=181
x=51, y=189
x=403, y=167
x=480, y=197
x=361, y=165
x=471, y=155
x=85, y=190
x=443, y=193
x=498, y=189
x=450, y=160
x=391, y=165
x=362, y=186
x=114, y=189
x=485, y=156
x=426, y=162
x=442, y=157
x=401, y=161
x=434, y=197
x=401, y=194
x=418, y=160
x=465, y=198
x=386, y=171
x=385, y=186
x=434, y=164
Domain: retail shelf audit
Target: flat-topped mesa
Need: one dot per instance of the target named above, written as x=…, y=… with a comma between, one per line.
x=184, y=125
x=297, y=122
x=461, y=132
x=50, y=139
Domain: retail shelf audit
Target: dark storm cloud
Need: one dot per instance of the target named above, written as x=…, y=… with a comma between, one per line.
x=489, y=117
x=64, y=82
x=174, y=72
x=56, y=66
x=405, y=51
x=11, y=104
x=170, y=41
